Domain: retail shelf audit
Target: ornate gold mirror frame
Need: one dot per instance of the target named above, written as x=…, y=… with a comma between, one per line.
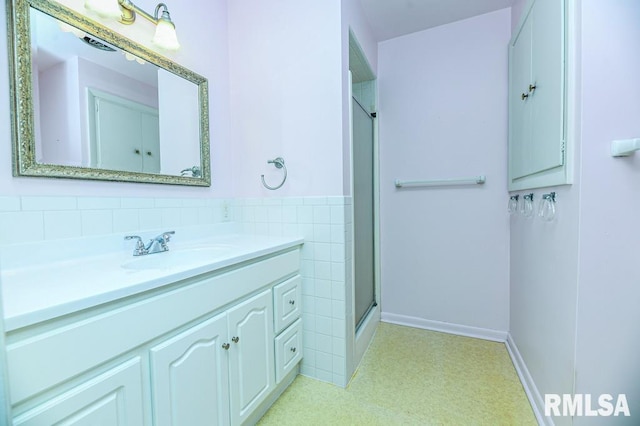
x=22, y=104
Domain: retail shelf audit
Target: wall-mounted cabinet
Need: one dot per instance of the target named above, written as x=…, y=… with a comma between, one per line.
x=537, y=98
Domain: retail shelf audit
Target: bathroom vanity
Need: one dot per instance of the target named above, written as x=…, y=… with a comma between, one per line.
x=206, y=333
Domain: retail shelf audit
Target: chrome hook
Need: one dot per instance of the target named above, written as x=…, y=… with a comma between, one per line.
x=279, y=163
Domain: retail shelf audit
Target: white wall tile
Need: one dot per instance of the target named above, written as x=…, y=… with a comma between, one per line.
x=49, y=203
x=150, y=218
x=188, y=216
x=290, y=214
x=322, y=270
x=96, y=222
x=194, y=202
x=322, y=252
x=338, y=253
x=137, y=203
x=321, y=214
x=305, y=214
x=315, y=201
x=339, y=365
x=338, y=309
x=168, y=202
x=322, y=233
x=337, y=290
x=323, y=288
x=324, y=345
x=62, y=224
x=21, y=227
x=126, y=220
x=338, y=272
x=324, y=325
x=323, y=307
x=324, y=375
x=337, y=215
x=98, y=203
x=9, y=204
x=339, y=329
x=170, y=217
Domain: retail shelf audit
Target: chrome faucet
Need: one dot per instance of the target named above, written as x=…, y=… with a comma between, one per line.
x=155, y=245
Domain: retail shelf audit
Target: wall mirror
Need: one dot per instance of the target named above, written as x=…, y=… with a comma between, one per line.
x=88, y=103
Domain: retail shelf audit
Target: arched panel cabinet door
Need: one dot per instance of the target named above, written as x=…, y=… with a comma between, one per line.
x=190, y=376
x=251, y=357
x=112, y=398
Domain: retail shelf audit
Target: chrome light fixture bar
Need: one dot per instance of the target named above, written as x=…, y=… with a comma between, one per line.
x=126, y=11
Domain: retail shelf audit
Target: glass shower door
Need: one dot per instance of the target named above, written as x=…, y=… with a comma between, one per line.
x=363, y=212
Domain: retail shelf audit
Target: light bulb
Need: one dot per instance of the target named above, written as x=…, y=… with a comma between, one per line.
x=166, y=36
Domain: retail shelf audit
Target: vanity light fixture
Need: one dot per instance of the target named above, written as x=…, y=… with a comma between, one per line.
x=104, y=8
x=165, y=35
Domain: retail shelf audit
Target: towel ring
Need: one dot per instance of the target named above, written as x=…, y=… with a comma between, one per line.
x=279, y=163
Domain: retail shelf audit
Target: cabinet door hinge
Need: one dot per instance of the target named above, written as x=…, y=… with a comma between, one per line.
x=563, y=149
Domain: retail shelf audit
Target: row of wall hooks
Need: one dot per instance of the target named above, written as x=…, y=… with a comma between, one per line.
x=524, y=205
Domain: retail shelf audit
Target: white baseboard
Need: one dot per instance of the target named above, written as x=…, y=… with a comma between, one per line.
x=446, y=327
x=530, y=388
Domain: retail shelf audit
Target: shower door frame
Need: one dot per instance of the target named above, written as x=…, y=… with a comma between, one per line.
x=364, y=333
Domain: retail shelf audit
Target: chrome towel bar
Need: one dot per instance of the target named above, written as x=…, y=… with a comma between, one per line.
x=441, y=182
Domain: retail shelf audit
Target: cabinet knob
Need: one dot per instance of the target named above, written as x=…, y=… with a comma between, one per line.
x=226, y=346
x=292, y=302
x=137, y=151
x=235, y=339
x=293, y=349
x=149, y=153
x=532, y=87
x=524, y=96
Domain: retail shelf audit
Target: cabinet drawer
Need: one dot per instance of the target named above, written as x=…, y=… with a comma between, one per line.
x=288, y=350
x=287, y=298
x=112, y=398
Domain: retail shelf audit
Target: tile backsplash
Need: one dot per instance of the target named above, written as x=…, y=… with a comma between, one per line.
x=30, y=219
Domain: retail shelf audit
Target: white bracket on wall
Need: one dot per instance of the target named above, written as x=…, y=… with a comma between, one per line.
x=624, y=147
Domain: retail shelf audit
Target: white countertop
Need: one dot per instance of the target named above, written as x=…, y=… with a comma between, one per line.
x=44, y=291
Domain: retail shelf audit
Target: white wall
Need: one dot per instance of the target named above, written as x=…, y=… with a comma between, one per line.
x=543, y=274
x=574, y=282
x=443, y=114
x=286, y=96
x=209, y=59
x=608, y=341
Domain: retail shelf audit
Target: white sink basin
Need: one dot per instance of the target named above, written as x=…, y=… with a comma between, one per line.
x=177, y=258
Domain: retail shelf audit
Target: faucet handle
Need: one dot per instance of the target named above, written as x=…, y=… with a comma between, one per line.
x=166, y=236
x=140, y=249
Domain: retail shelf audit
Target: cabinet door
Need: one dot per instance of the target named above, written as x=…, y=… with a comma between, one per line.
x=112, y=398
x=251, y=364
x=519, y=102
x=547, y=74
x=537, y=98
x=190, y=376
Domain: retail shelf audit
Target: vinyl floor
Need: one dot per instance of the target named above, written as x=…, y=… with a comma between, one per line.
x=410, y=376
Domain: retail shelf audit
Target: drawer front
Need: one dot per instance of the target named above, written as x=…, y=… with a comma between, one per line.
x=287, y=298
x=288, y=350
x=112, y=398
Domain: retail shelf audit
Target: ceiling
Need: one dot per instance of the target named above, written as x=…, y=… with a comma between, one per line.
x=394, y=18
